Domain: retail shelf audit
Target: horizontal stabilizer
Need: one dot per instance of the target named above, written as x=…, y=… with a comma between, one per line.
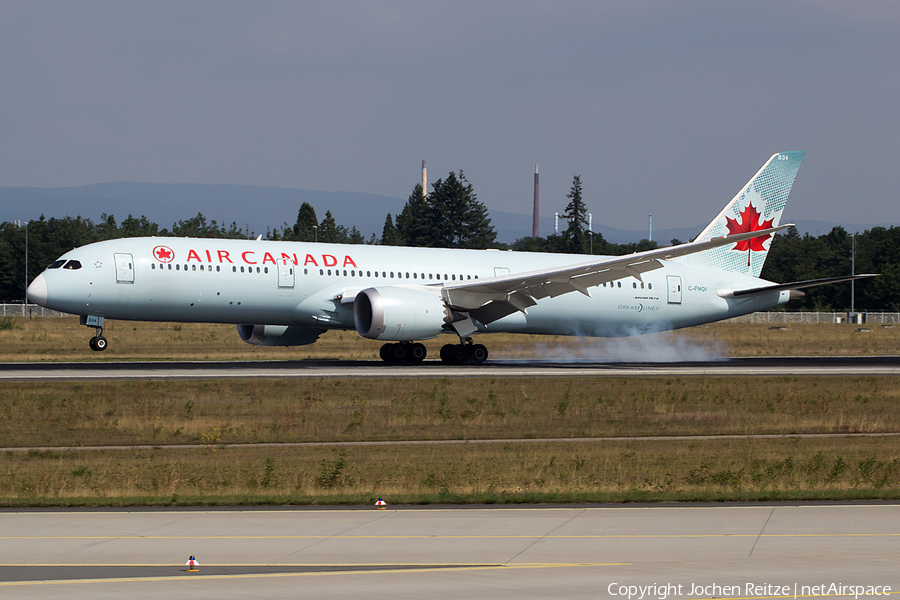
x=795, y=285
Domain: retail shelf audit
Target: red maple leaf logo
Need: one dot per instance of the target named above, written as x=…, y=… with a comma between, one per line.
x=750, y=221
x=163, y=254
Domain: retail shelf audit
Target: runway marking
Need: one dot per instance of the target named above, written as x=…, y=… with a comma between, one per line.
x=430, y=569
x=450, y=537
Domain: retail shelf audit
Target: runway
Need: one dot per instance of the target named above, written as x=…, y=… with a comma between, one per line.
x=451, y=553
x=743, y=367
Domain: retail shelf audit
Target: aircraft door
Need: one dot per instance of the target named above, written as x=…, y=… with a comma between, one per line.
x=124, y=267
x=285, y=273
x=674, y=282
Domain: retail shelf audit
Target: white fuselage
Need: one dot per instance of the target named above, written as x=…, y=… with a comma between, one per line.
x=313, y=284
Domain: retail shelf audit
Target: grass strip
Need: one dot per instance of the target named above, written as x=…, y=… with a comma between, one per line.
x=328, y=410
x=676, y=471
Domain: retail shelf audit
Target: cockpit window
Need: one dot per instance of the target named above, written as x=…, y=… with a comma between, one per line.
x=57, y=264
x=72, y=265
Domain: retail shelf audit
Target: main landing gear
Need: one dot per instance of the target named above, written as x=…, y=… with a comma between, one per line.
x=468, y=353
x=451, y=354
x=404, y=352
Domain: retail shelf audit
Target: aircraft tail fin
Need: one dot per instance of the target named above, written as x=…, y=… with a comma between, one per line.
x=758, y=205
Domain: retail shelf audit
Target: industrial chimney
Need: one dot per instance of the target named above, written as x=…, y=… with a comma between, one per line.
x=537, y=212
x=424, y=180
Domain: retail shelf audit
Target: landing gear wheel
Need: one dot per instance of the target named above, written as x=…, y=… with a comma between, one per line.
x=98, y=343
x=398, y=353
x=477, y=354
x=417, y=352
x=454, y=354
x=385, y=352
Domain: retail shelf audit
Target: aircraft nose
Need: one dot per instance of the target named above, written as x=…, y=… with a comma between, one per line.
x=37, y=291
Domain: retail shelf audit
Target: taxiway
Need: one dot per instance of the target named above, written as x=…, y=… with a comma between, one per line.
x=448, y=553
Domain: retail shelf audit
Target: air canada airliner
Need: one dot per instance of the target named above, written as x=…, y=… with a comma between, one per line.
x=289, y=293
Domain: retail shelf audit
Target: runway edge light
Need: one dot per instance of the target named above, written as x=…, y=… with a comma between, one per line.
x=381, y=504
x=192, y=563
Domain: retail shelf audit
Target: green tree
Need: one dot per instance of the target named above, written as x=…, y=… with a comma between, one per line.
x=330, y=232
x=303, y=230
x=389, y=235
x=576, y=214
x=450, y=217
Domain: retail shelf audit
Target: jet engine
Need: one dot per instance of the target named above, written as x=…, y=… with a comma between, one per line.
x=399, y=313
x=279, y=335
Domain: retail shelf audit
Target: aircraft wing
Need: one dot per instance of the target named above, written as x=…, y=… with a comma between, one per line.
x=495, y=297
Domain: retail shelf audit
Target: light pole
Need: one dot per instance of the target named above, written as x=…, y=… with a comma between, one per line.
x=591, y=231
x=26, y=270
x=316, y=232
x=852, y=273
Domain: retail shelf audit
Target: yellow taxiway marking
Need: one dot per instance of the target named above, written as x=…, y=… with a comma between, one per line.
x=442, y=537
x=348, y=571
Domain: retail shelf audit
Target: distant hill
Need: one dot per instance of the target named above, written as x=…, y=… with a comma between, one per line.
x=260, y=208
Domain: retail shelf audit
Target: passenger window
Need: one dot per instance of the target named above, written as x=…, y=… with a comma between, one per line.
x=152, y=266
x=193, y=267
x=369, y=273
x=392, y=274
x=619, y=283
x=242, y=269
x=234, y=269
x=329, y=271
x=345, y=272
x=177, y=267
x=634, y=284
x=170, y=266
x=218, y=268
x=649, y=286
x=454, y=276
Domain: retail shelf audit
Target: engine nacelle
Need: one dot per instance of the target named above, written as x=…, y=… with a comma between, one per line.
x=279, y=335
x=399, y=314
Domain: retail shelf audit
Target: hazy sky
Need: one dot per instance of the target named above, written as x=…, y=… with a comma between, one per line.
x=662, y=107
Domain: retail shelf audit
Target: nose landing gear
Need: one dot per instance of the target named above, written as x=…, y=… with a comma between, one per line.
x=98, y=343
